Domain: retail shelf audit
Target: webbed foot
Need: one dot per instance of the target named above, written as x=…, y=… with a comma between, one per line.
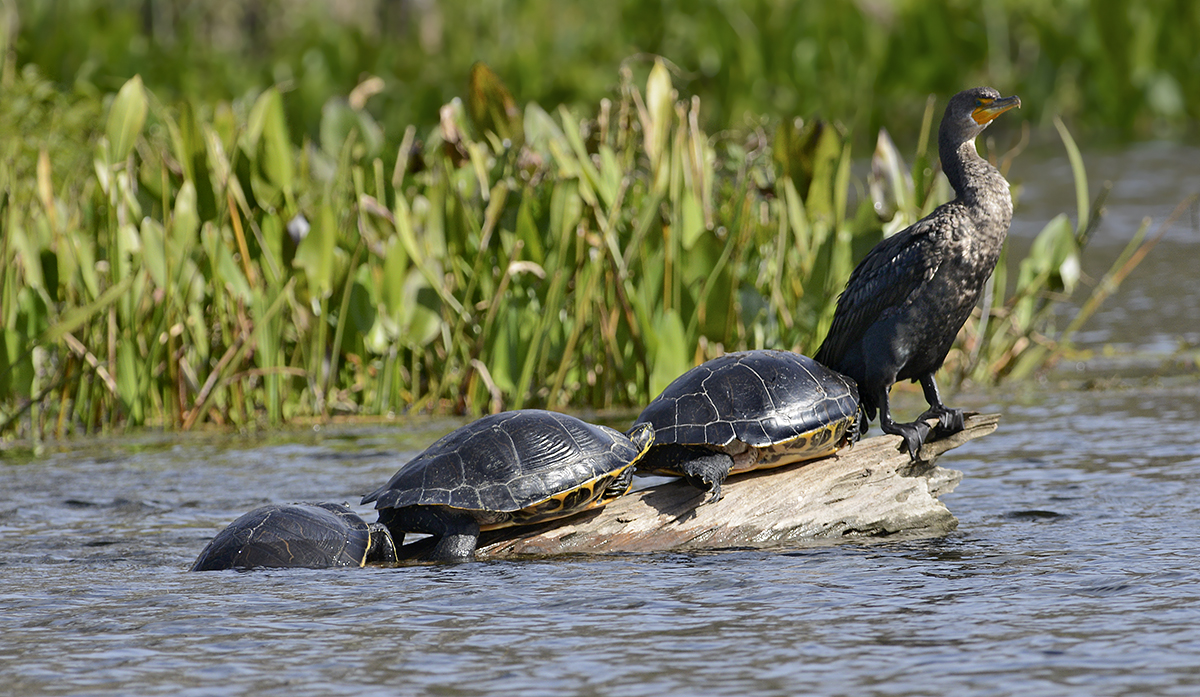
x=914, y=434
x=949, y=420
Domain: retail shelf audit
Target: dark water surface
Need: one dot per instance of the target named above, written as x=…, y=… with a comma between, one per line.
x=1074, y=570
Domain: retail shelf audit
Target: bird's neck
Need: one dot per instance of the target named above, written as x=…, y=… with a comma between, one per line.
x=977, y=183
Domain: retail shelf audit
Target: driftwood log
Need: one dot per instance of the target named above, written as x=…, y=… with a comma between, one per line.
x=871, y=490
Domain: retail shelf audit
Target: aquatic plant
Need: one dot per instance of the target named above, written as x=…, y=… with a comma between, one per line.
x=1123, y=65
x=186, y=264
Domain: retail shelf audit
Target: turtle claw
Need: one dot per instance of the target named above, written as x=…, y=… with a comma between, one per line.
x=708, y=472
x=703, y=482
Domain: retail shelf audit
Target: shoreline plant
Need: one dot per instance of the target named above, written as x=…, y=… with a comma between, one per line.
x=177, y=265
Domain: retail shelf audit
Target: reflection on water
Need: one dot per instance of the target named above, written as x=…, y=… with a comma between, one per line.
x=1072, y=573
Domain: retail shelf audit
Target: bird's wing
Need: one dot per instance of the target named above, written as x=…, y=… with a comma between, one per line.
x=884, y=280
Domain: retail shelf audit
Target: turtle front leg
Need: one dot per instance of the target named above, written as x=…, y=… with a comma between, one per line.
x=708, y=472
x=703, y=468
x=456, y=532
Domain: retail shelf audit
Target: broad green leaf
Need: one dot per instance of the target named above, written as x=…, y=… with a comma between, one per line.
x=231, y=274
x=890, y=183
x=126, y=117
x=154, y=253
x=270, y=143
x=185, y=224
x=395, y=273
x=272, y=240
x=28, y=254
x=422, y=320
x=589, y=175
x=566, y=210
x=541, y=131
x=127, y=380
x=129, y=243
x=670, y=351
x=660, y=108
x=16, y=364
x=315, y=252
x=693, y=220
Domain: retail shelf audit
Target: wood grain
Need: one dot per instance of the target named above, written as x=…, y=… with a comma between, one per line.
x=871, y=490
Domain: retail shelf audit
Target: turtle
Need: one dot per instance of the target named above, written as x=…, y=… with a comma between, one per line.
x=512, y=468
x=303, y=535
x=745, y=411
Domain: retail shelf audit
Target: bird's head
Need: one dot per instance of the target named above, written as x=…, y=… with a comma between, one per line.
x=970, y=111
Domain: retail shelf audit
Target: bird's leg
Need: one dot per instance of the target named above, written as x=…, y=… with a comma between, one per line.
x=914, y=434
x=951, y=420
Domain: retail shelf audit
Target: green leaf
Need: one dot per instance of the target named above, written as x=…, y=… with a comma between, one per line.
x=315, y=253
x=271, y=146
x=186, y=220
x=693, y=220
x=231, y=274
x=527, y=230
x=339, y=121
x=422, y=318
x=127, y=380
x=395, y=271
x=74, y=318
x=670, y=351
x=16, y=364
x=153, y=251
x=126, y=117
x=1081, y=185
x=660, y=112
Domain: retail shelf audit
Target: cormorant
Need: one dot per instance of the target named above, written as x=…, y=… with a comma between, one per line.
x=906, y=301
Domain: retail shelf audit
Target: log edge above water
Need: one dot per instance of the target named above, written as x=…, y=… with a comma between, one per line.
x=870, y=490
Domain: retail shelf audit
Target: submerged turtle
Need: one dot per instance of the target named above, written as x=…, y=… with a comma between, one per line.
x=513, y=468
x=304, y=535
x=746, y=411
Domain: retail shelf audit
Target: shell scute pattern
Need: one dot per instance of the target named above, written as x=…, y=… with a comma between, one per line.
x=528, y=464
x=761, y=398
x=299, y=535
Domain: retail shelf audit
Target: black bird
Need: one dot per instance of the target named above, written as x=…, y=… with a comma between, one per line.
x=906, y=301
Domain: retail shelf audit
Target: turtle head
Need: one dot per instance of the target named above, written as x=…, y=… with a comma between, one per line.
x=642, y=436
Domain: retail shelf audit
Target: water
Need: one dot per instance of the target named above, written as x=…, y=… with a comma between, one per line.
x=1072, y=573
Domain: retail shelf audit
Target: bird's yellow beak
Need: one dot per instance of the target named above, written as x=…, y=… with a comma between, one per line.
x=989, y=109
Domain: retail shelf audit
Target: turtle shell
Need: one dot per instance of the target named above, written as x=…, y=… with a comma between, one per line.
x=306, y=535
x=518, y=467
x=766, y=408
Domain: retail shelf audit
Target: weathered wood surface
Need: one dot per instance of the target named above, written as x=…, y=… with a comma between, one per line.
x=872, y=490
